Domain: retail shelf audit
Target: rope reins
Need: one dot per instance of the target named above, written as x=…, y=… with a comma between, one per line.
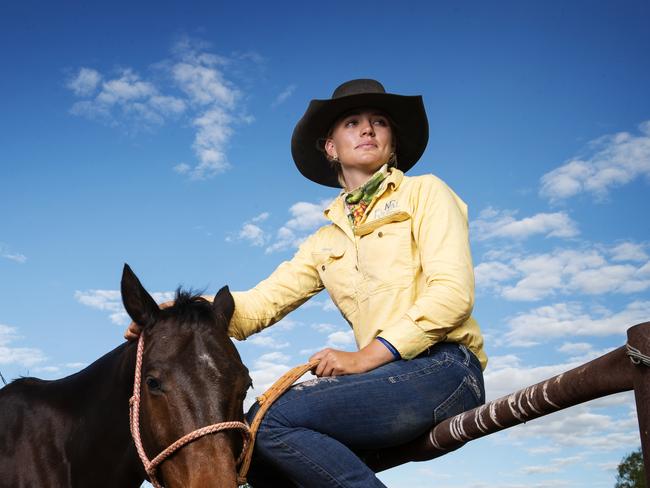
x=265, y=400
x=248, y=432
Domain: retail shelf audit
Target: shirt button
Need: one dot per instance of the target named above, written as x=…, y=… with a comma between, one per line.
x=322, y=267
x=380, y=234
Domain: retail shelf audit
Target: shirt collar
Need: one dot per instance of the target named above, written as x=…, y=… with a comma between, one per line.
x=337, y=207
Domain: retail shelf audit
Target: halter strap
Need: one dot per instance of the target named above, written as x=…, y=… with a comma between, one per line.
x=134, y=414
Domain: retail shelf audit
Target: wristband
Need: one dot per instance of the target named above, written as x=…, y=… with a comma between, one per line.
x=390, y=347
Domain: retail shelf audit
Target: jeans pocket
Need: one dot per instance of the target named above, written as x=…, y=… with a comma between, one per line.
x=432, y=365
x=467, y=396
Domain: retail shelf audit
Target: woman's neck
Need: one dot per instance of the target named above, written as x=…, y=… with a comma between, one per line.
x=356, y=177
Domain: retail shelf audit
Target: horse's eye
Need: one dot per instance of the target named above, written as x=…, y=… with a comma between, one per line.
x=153, y=384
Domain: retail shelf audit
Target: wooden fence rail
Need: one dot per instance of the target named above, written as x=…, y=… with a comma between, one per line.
x=623, y=369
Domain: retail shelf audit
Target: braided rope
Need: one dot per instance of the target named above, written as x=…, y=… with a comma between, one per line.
x=134, y=417
x=265, y=400
x=636, y=356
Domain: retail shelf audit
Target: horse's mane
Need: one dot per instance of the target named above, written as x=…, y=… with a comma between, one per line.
x=189, y=306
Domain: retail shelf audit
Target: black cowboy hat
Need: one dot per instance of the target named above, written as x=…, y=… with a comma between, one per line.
x=407, y=112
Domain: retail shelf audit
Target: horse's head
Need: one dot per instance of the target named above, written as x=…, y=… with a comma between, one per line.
x=192, y=377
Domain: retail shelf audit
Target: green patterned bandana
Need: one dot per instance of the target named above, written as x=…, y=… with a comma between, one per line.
x=358, y=200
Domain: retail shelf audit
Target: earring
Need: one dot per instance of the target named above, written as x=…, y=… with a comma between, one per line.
x=392, y=160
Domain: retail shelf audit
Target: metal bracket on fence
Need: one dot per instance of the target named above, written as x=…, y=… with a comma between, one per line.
x=636, y=356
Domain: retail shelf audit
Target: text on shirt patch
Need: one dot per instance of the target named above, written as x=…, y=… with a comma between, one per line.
x=388, y=207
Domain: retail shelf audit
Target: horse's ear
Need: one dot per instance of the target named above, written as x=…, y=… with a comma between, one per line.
x=224, y=304
x=138, y=303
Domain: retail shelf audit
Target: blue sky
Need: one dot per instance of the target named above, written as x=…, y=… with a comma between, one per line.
x=158, y=134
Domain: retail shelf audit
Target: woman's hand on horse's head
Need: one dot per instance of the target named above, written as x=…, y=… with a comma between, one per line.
x=133, y=330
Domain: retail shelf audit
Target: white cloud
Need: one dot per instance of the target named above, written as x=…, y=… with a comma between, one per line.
x=326, y=304
x=613, y=161
x=268, y=341
x=341, y=339
x=494, y=223
x=111, y=301
x=125, y=97
x=324, y=328
x=629, y=251
x=571, y=320
x=252, y=232
x=283, y=96
x=305, y=217
x=506, y=375
x=266, y=370
x=127, y=87
x=85, y=82
x=193, y=82
x=585, y=271
x=5, y=252
x=552, y=465
x=23, y=356
x=578, y=426
x=491, y=273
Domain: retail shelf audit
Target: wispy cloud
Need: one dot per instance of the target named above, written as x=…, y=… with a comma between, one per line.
x=592, y=271
x=251, y=232
x=572, y=320
x=342, y=339
x=554, y=465
x=7, y=253
x=268, y=341
x=283, y=96
x=305, y=217
x=85, y=82
x=122, y=99
x=111, y=301
x=495, y=223
x=193, y=83
x=580, y=426
x=326, y=304
x=611, y=161
x=23, y=356
x=266, y=370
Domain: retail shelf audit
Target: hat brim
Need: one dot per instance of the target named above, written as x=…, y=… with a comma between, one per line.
x=411, y=131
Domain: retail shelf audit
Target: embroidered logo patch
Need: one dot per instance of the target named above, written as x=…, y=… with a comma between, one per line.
x=388, y=207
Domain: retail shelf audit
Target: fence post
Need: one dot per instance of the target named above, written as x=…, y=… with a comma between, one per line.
x=638, y=347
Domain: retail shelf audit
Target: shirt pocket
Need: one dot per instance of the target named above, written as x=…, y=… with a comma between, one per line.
x=334, y=268
x=385, y=251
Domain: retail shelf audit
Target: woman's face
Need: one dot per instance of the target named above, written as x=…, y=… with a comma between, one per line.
x=362, y=140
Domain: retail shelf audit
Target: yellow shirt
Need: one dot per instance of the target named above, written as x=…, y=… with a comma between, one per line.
x=404, y=273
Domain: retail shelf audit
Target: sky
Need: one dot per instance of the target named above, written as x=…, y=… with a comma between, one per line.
x=158, y=134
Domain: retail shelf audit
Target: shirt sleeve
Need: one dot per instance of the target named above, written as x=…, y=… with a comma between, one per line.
x=289, y=286
x=441, y=234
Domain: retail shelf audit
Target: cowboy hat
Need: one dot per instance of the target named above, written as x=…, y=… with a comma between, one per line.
x=411, y=127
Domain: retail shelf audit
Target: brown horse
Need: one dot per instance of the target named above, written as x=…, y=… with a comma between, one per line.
x=74, y=432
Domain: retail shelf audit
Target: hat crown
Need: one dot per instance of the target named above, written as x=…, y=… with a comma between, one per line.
x=358, y=87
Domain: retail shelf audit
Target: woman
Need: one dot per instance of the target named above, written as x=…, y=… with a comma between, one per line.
x=396, y=262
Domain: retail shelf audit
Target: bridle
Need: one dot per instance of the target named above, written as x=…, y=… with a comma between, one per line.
x=150, y=466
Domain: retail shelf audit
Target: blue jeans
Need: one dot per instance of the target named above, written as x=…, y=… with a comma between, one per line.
x=308, y=438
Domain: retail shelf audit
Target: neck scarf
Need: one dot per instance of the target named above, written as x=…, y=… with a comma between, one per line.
x=357, y=201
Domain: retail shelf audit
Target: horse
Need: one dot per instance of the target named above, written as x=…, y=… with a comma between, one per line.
x=74, y=432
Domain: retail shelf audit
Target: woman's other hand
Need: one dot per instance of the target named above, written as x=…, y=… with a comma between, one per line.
x=133, y=330
x=333, y=362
